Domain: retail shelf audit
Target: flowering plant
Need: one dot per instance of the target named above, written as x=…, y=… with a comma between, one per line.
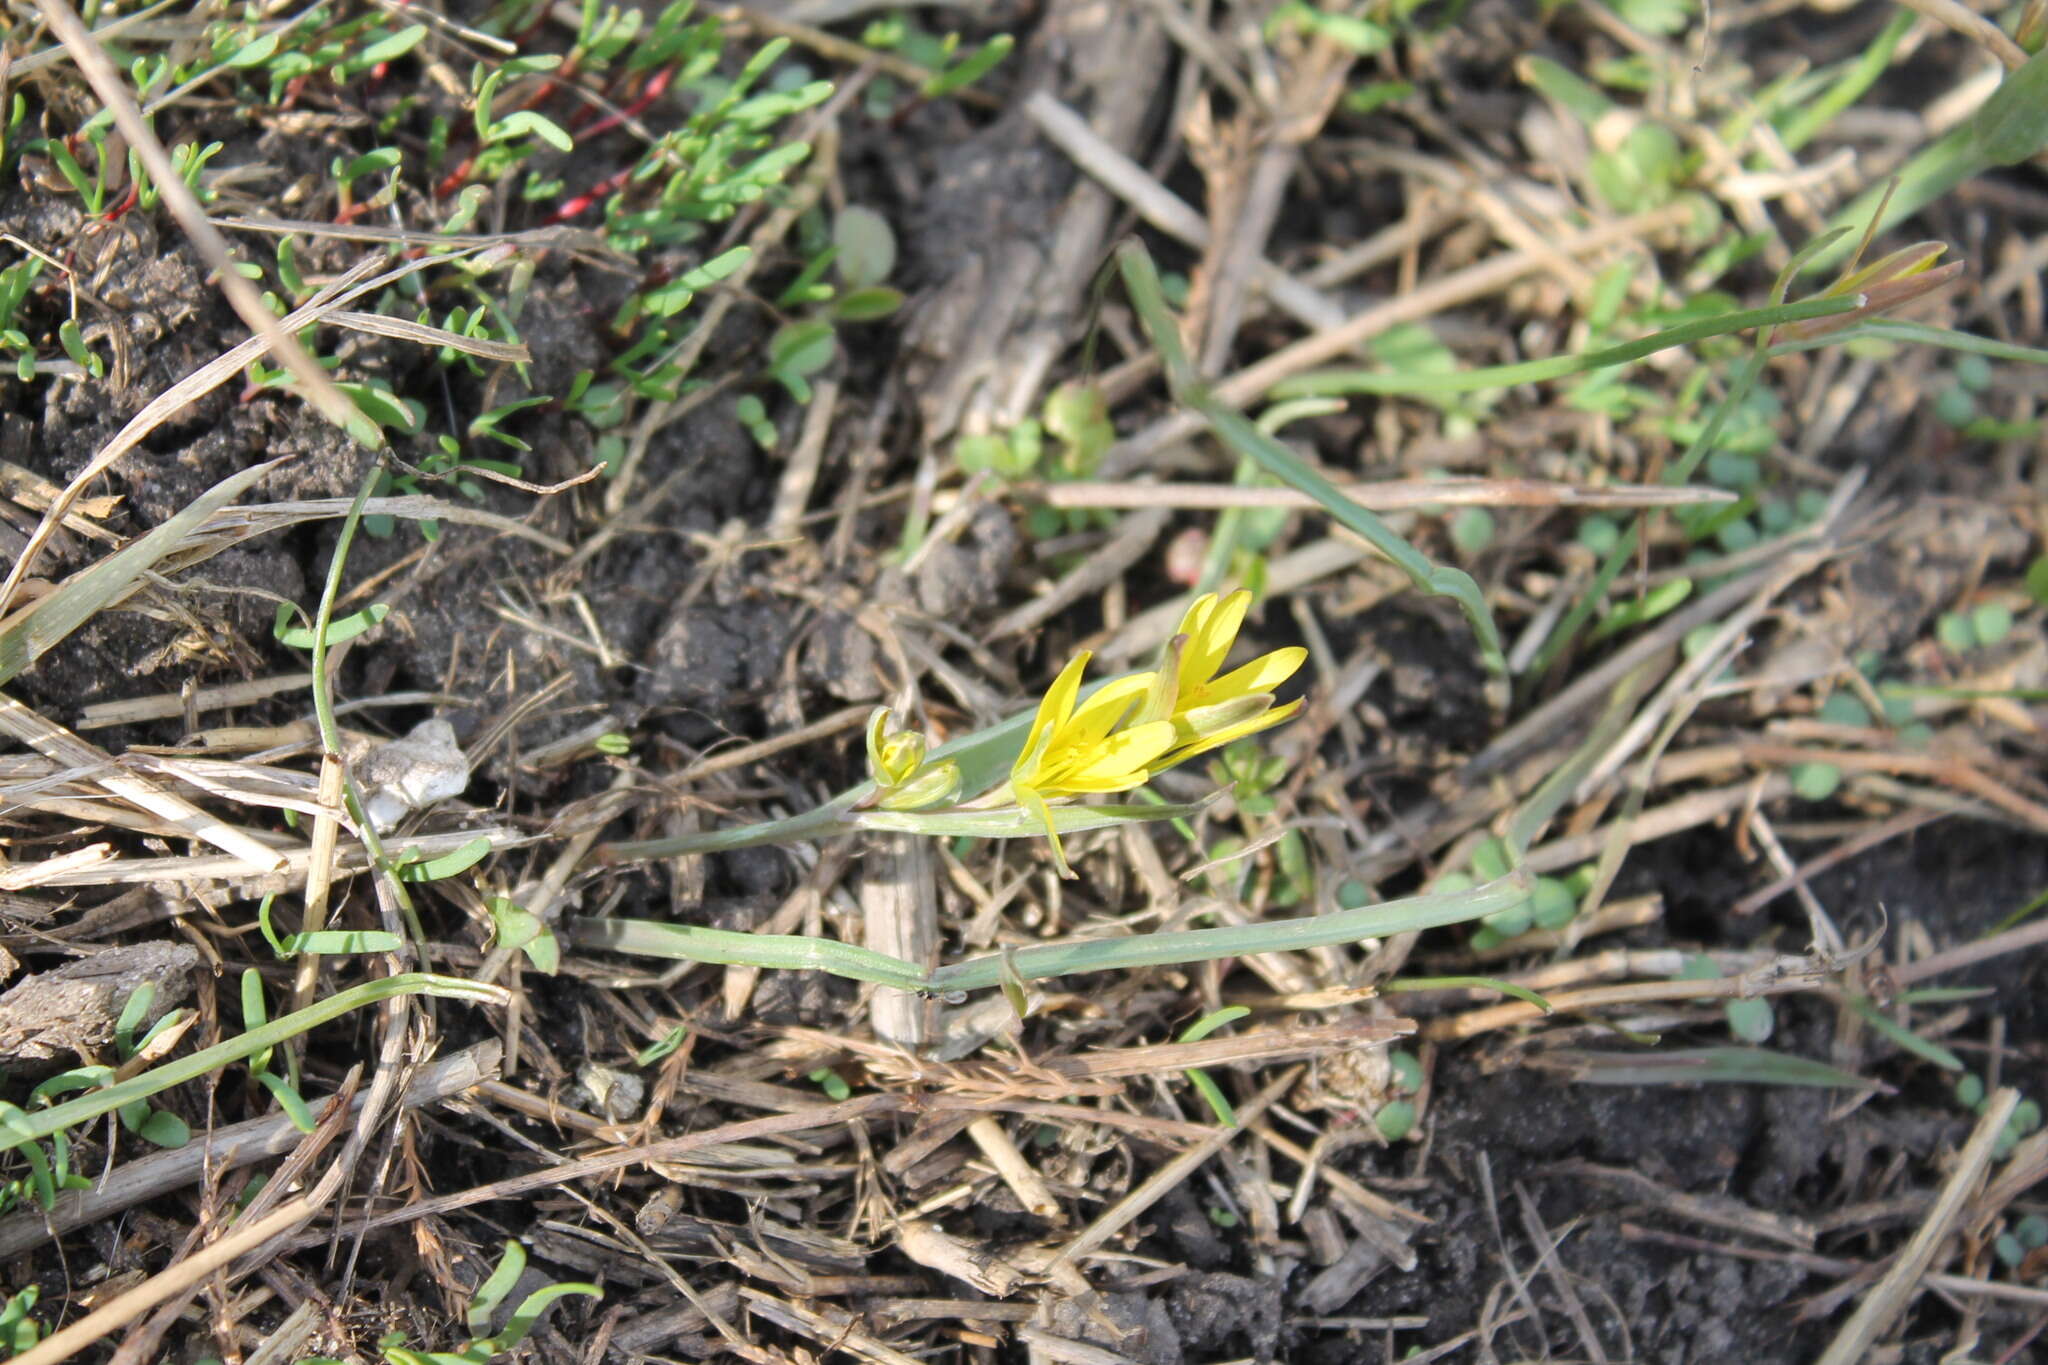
x=1026, y=775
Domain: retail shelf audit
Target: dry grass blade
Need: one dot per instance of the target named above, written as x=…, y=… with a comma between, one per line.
x=405, y=329
x=29, y=633
x=59, y=745
x=1392, y=495
x=61, y=1345
x=224, y=1149
x=1883, y=1304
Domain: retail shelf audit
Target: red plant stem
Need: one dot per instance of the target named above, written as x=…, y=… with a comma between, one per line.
x=128, y=201
x=656, y=85
x=581, y=203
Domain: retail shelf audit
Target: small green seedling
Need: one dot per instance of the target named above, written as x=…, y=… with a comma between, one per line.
x=19, y=1331
x=490, y=1299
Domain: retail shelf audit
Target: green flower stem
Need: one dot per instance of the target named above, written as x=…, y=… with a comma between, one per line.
x=824, y=822
x=41, y=1123
x=1431, y=911
x=690, y=943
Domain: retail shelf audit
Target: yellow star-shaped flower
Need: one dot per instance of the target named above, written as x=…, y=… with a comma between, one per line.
x=1074, y=748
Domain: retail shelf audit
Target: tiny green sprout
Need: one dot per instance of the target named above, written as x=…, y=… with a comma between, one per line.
x=613, y=744
x=514, y=927
x=832, y=1083
x=1407, y=1070
x=864, y=247
x=2010, y=1252
x=1970, y=1090
x=19, y=1331
x=1751, y=1020
x=1844, y=708
x=1396, y=1119
x=2026, y=1116
x=1222, y=1217
x=661, y=1047
x=1511, y=922
x=1472, y=530
x=2037, y=581
x=1552, y=906
x=1954, y=407
x=1599, y=534
x=1815, y=781
x=1957, y=633
x=1991, y=622
x=1973, y=372
x=2032, y=1231
x=1078, y=416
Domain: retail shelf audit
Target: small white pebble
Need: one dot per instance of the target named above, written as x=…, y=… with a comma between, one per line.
x=412, y=773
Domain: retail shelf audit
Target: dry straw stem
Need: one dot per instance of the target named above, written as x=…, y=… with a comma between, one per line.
x=179, y=1279
x=1167, y=1178
x=1882, y=1306
x=222, y=1150
x=1973, y=26
x=1512, y=1012
x=67, y=750
x=1164, y=209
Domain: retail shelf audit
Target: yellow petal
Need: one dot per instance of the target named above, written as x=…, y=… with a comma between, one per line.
x=1098, y=715
x=878, y=724
x=1198, y=611
x=1209, y=647
x=1053, y=711
x=1217, y=740
x=1118, y=762
x=1262, y=674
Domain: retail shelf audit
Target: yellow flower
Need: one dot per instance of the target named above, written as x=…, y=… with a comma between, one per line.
x=1206, y=711
x=1076, y=749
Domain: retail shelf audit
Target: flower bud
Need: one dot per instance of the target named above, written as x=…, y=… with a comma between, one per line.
x=892, y=759
x=934, y=786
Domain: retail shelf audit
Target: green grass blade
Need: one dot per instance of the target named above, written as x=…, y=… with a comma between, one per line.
x=1901, y=1036
x=1933, y=172
x=1015, y=823
x=1479, y=983
x=1318, y=383
x=1204, y=945
x=1802, y=127
x=784, y=952
x=1717, y=1065
x=1911, y=333
x=44, y=1122
x=1141, y=279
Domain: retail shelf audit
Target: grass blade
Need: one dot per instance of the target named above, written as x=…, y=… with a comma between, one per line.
x=1141, y=279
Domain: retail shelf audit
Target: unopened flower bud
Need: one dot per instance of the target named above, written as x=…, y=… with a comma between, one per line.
x=934, y=786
